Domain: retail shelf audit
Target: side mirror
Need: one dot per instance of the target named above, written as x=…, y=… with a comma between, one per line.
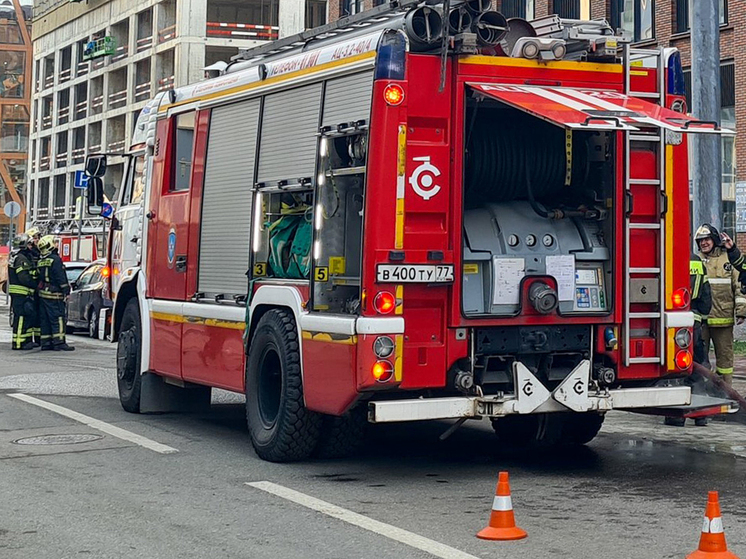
x=95, y=165
x=95, y=195
x=73, y=285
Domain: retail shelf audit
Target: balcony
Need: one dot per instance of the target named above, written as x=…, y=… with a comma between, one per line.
x=166, y=83
x=44, y=163
x=243, y=31
x=78, y=156
x=142, y=92
x=118, y=99
x=144, y=43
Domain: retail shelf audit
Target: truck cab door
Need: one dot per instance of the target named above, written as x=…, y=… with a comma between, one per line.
x=168, y=239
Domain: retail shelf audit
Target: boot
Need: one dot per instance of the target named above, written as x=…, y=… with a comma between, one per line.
x=24, y=347
x=34, y=344
x=47, y=347
x=63, y=347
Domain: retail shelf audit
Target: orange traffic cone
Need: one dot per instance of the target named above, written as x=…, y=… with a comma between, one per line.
x=502, y=522
x=712, y=542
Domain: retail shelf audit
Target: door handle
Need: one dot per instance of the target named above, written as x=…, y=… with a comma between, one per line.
x=181, y=263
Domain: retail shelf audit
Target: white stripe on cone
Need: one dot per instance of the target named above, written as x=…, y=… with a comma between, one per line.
x=714, y=526
x=502, y=503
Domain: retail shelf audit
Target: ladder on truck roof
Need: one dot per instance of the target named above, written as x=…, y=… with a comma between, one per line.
x=637, y=276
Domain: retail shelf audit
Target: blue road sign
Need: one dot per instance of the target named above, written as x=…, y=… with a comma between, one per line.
x=106, y=210
x=81, y=180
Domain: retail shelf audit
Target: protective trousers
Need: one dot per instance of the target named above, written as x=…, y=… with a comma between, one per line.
x=722, y=339
x=700, y=351
x=52, y=321
x=23, y=320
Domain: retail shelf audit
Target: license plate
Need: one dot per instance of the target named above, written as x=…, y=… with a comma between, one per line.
x=414, y=273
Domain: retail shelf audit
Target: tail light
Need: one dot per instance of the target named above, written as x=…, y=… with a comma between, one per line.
x=393, y=94
x=683, y=360
x=384, y=302
x=680, y=298
x=383, y=371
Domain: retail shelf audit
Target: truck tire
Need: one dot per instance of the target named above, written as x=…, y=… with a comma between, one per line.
x=581, y=428
x=342, y=436
x=281, y=428
x=93, y=324
x=129, y=380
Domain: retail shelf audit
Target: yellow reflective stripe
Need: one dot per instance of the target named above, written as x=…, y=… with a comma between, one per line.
x=330, y=338
x=182, y=319
x=724, y=371
x=696, y=267
x=20, y=290
x=697, y=285
x=720, y=321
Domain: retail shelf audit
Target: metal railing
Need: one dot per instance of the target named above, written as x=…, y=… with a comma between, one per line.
x=116, y=147
x=44, y=163
x=65, y=75
x=78, y=155
x=46, y=122
x=49, y=81
x=166, y=34
x=83, y=68
x=81, y=109
x=165, y=83
x=97, y=104
x=142, y=91
x=118, y=99
x=144, y=43
x=242, y=30
x=61, y=159
x=121, y=53
x=63, y=115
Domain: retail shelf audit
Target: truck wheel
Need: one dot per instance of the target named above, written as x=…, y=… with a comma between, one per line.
x=281, y=428
x=128, y=358
x=344, y=435
x=581, y=428
x=529, y=431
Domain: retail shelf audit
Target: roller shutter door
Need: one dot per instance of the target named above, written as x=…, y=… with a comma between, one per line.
x=347, y=99
x=289, y=126
x=225, y=238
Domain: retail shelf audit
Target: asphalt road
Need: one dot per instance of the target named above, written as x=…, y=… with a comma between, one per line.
x=638, y=490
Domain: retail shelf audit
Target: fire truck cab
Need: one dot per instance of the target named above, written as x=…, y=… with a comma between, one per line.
x=355, y=225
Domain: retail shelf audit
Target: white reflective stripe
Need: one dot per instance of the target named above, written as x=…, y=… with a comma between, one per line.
x=740, y=300
x=714, y=526
x=502, y=503
x=561, y=99
x=595, y=102
x=679, y=319
x=719, y=280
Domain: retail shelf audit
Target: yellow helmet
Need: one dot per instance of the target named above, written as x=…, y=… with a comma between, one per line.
x=707, y=231
x=46, y=244
x=33, y=233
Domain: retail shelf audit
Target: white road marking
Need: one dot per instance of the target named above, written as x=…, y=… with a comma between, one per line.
x=98, y=424
x=387, y=530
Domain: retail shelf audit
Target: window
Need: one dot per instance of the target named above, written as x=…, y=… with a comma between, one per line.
x=12, y=67
x=350, y=7
x=184, y=142
x=135, y=190
x=518, y=8
x=572, y=9
x=683, y=15
x=635, y=17
x=315, y=13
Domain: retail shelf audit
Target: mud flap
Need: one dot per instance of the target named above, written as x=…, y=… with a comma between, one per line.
x=530, y=393
x=573, y=391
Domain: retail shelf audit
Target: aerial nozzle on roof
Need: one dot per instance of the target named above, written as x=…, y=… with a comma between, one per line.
x=424, y=27
x=490, y=27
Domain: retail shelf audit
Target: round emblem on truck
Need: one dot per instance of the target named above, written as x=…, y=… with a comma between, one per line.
x=171, y=247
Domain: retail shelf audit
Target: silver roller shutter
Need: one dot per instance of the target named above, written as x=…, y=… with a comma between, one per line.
x=225, y=237
x=348, y=99
x=289, y=127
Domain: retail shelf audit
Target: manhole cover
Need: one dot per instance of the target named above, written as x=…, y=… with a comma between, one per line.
x=59, y=439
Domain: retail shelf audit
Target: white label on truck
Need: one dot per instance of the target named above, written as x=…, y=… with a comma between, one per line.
x=508, y=275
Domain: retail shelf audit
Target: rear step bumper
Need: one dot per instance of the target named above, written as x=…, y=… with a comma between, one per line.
x=532, y=397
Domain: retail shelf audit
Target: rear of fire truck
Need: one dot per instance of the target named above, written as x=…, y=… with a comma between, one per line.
x=571, y=289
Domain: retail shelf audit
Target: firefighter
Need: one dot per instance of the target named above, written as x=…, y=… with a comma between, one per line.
x=723, y=263
x=701, y=306
x=53, y=288
x=34, y=235
x=22, y=280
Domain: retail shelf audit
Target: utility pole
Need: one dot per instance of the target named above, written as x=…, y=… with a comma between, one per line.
x=705, y=78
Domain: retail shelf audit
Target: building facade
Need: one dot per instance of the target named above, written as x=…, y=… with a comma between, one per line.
x=96, y=64
x=15, y=95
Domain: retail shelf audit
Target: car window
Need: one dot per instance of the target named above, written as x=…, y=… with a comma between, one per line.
x=73, y=273
x=85, y=278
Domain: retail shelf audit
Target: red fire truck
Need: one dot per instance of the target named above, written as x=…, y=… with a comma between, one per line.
x=405, y=217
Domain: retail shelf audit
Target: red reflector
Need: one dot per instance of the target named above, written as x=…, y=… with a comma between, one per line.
x=384, y=302
x=683, y=360
x=383, y=371
x=393, y=94
x=680, y=298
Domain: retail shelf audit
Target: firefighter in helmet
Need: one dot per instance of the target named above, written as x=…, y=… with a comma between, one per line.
x=34, y=235
x=22, y=280
x=723, y=263
x=53, y=288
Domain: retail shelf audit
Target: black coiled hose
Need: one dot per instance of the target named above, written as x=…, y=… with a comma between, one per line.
x=502, y=145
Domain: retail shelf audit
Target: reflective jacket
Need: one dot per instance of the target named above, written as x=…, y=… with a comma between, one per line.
x=22, y=274
x=52, y=277
x=700, y=289
x=723, y=268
